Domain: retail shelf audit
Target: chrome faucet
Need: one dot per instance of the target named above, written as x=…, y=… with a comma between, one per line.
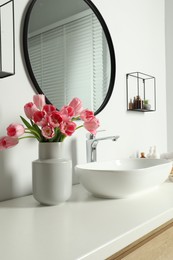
x=91, y=145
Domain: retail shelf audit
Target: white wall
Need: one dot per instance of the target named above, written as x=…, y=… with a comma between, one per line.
x=137, y=29
x=169, y=69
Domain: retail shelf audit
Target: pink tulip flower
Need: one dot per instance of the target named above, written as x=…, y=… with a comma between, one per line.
x=67, y=113
x=40, y=118
x=15, y=130
x=68, y=128
x=48, y=132
x=49, y=109
x=76, y=104
x=91, y=125
x=86, y=115
x=55, y=119
x=39, y=101
x=29, y=109
x=7, y=142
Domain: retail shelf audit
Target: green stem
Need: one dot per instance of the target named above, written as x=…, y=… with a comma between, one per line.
x=34, y=131
x=28, y=132
x=79, y=127
x=62, y=138
x=28, y=136
x=31, y=122
x=76, y=118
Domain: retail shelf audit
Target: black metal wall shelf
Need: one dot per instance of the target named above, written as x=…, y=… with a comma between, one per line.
x=7, y=39
x=141, y=92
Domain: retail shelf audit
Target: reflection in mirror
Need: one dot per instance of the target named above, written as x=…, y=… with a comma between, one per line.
x=68, y=53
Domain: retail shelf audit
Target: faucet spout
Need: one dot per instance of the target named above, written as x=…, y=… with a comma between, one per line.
x=96, y=140
x=91, y=145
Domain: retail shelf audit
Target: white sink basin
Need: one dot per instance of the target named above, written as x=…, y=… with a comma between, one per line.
x=123, y=178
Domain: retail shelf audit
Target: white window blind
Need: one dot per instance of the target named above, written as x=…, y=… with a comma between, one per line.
x=70, y=61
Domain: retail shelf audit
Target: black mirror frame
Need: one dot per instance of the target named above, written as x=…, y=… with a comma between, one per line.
x=110, y=45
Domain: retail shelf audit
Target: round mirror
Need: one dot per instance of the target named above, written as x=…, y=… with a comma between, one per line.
x=69, y=52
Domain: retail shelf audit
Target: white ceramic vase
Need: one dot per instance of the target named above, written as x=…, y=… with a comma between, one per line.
x=51, y=174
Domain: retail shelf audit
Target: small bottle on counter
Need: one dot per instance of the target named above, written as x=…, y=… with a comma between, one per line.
x=149, y=155
x=155, y=154
x=142, y=155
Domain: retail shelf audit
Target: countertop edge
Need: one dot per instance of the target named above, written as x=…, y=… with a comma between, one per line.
x=126, y=239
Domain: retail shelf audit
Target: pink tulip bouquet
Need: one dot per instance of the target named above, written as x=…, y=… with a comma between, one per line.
x=46, y=124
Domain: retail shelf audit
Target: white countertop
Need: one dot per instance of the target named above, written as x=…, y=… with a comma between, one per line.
x=82, y=228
